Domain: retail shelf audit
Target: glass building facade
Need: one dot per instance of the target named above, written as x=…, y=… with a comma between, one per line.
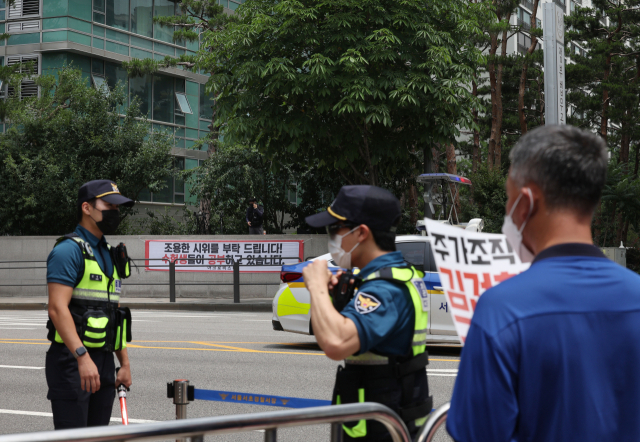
x=96, y=36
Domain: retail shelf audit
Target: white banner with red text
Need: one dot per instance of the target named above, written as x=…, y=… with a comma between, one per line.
x=218, y=256
x=468, y=264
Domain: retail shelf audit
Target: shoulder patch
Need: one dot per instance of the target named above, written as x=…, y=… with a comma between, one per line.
x=366, y=303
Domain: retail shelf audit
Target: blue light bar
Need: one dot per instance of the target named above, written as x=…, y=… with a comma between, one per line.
x=429, y=177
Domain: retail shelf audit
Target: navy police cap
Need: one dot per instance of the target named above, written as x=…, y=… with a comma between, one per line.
x=106, y=190
x=378, y=208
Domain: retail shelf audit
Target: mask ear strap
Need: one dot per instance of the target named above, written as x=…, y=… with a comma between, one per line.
x=530, y=209
x=513, y=208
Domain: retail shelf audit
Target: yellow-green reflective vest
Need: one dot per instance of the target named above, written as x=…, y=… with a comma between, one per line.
x=100, y=323
x=411, y=278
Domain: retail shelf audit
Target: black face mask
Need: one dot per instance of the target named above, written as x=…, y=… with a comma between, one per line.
x=110, y=221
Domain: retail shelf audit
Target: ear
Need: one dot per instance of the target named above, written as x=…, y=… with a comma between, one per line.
x=86, y=208
x=364, y=233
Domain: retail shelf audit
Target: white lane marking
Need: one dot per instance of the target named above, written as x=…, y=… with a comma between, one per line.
x=443, y=372
x=20, y=323
x=176, y=316
x=22, y=367
x=16, y=328
x=39, y=413
x=257, y=320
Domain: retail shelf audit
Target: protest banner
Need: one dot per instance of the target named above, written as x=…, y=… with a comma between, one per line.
x=468, y=264
x=218, y=256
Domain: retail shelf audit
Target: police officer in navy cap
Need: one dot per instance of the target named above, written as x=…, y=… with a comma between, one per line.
x=381, y=333
x=86, y=325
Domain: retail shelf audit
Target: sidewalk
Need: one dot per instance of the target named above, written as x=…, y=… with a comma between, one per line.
x=197, y=304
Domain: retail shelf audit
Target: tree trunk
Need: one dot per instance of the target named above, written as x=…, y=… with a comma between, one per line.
x=604, y=120
x=475, y=158
x=493, y=82
x=523, y=74
x=635, y=169
x=503, y=53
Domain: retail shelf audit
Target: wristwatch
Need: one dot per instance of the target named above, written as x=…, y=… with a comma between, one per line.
x=79, y=352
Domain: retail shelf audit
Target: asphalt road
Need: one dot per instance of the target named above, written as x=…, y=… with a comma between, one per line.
x=236, y=352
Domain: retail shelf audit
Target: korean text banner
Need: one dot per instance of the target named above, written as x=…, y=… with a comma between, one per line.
x=468, y=264
x=218, y=256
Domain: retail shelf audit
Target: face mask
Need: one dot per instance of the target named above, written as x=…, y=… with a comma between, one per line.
x=341, y=258
x=514, y=235
x=110, y=221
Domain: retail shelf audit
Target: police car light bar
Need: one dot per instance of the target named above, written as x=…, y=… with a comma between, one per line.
x=428, y=177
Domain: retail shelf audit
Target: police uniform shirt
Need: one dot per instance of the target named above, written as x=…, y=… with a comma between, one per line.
x=65, y=263
x=382, y=311
x=553, y=354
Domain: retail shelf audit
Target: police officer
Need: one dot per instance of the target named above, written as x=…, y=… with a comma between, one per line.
x=381, y=333
x=86, y=324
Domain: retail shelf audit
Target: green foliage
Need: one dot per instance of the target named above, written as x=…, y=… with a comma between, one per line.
x=488, y=199
x=162, y=223
x=69, y=135
x=233, y=175
x=355, y=86
x=633, y=260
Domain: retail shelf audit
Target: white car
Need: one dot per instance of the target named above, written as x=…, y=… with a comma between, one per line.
x=291, y=303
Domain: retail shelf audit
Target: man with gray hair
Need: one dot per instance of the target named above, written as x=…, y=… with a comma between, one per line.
x=553, y=354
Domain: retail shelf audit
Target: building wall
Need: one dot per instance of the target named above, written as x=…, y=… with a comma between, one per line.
x=96, y=36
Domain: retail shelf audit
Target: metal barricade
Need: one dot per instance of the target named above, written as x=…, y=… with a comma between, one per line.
x=436, y=419
x=196, y=429
x=172, y=266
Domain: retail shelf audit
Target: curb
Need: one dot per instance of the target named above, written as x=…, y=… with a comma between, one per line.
x=246, y=307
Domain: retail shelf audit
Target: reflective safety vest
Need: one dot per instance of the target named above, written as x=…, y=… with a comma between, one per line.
x=100, y=323
x=370, y=369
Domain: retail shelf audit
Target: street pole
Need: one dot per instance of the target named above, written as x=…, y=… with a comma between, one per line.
x=555, y=109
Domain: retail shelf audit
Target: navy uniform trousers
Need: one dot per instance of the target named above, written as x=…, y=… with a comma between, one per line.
x=72, y=406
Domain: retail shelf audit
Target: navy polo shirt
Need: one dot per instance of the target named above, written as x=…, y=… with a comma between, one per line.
x=387, y=323
x=65, y=264
x=553, y=354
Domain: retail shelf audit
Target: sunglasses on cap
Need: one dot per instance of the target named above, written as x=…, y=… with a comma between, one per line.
x=334, y=228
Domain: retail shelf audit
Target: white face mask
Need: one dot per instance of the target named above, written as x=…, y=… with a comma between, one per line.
x=514, y=235
x=341, y=258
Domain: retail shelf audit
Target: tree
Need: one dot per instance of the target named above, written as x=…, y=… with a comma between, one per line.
x=69, y=135
x=605, y=96
x=356, y=86
x=235, y=173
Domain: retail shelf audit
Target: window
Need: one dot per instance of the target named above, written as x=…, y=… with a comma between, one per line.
x=183, y=103
x=163, y=98
x=524, y=42
x=18, y=26
x=117, y=14
x=413, y=253
x=142, y=17
x=98, y=11
x=24, y=8
x=140, y=88
x=163, y=8
x=28, y=87
x=206, y=101
x=115, y=73
x=100, y=83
